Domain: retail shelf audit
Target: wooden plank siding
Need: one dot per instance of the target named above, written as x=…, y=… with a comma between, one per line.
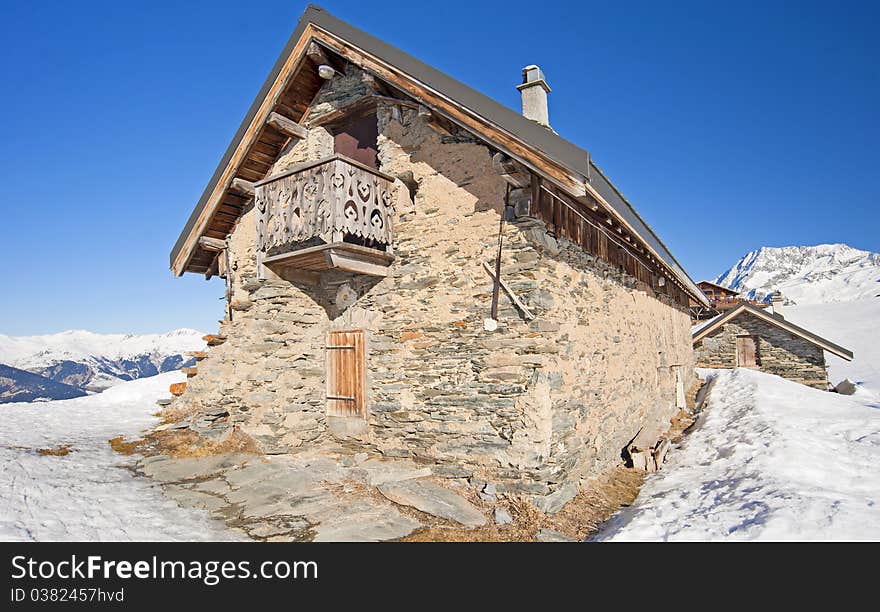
x=346, y=374
x=591, y=230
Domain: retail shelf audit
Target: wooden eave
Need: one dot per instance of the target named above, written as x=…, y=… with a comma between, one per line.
x=722, y=288
x=772, y=319
x=294, y=82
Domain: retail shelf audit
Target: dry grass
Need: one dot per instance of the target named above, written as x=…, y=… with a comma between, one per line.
x=580, y=517
x=186, y=443
x=126, y=448
x=59, y=451
x=679, y=425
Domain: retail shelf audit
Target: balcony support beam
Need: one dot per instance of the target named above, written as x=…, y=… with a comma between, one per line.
x=336, y=255
x=287, y=126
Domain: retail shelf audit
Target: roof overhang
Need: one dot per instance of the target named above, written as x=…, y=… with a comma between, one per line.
x=722, y=287
x=544, y=152
x=772, y=319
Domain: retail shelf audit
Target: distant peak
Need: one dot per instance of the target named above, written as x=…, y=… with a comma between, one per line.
x=805, y=274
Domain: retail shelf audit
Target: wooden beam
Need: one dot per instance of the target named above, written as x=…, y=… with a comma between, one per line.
x=343, y=261
x=212, y=244
x=527, y=314
x=317, y=54
x=511, y=170
x=243, y=187
x=287, y=126
x=399, y=101
x=358, y=105
x=214, y=267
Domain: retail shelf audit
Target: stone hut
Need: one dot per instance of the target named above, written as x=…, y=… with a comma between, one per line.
x=414, y=270
x=751, y=337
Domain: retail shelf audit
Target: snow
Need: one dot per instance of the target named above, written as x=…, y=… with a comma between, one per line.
x=853, y=325
x=89, y=494
x=769, y=459
x=28, y=352
x=820, y=274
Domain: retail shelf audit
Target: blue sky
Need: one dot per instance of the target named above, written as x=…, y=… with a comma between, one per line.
x=728, y=125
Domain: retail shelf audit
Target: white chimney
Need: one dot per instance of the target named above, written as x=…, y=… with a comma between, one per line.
x=776, y=302
x=534, y=90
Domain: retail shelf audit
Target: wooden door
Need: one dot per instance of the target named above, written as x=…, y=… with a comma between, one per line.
x=746, y=352
x=346, y=374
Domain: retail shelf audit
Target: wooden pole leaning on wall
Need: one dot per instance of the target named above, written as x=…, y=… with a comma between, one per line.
x=527, y=314
x=496, y=285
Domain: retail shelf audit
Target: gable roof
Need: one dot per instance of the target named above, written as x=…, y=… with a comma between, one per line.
x=711, y=284
x=540, y=149
x=773, y=319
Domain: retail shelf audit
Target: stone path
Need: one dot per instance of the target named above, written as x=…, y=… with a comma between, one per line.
x=298, y=498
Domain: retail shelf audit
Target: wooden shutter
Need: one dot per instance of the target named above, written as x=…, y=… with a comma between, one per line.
x=746, y=352
x=346, y=374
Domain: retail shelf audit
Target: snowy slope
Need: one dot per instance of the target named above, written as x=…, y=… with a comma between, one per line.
x=769, y=459
x=96, y=361
x=806, y=274
x=89, y=494
x=854, y=325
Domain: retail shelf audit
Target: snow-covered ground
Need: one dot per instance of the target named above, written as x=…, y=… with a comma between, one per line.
x=769, y=459
x=89, y=494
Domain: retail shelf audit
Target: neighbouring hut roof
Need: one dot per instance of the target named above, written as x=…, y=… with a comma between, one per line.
x=772, y=319
x=293, y=82
x=722, y=288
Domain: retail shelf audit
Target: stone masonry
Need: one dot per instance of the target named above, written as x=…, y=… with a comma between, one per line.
x=533, y=406
x=778, y=351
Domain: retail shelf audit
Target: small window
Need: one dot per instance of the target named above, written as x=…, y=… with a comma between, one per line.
x=346, y=374
x=357, y=138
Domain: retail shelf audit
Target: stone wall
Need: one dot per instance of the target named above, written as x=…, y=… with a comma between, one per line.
x=530, y=406
x=778, y=351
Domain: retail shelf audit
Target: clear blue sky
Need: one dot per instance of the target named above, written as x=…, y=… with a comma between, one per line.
x=728, y=125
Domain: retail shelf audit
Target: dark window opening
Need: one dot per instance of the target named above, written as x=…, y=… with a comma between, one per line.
x=358, y=139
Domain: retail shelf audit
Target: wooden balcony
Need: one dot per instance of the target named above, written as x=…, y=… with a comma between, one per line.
x=333, y=213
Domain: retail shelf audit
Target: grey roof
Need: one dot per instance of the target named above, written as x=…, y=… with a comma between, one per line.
x=773, y=319
x=551, y=144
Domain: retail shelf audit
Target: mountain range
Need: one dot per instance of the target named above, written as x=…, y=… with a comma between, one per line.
x=71, y=363
x=822, y=274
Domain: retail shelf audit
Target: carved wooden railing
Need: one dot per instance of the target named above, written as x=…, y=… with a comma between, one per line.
x=330, y=199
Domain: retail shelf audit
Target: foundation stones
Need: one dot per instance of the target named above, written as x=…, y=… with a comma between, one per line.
x=433, y=499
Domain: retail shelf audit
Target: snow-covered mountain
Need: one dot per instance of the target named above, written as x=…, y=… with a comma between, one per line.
x=822, y=274
x=93, y=362
x=23, y=386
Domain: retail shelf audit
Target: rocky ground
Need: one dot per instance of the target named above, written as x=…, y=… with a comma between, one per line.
x=357, y=498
